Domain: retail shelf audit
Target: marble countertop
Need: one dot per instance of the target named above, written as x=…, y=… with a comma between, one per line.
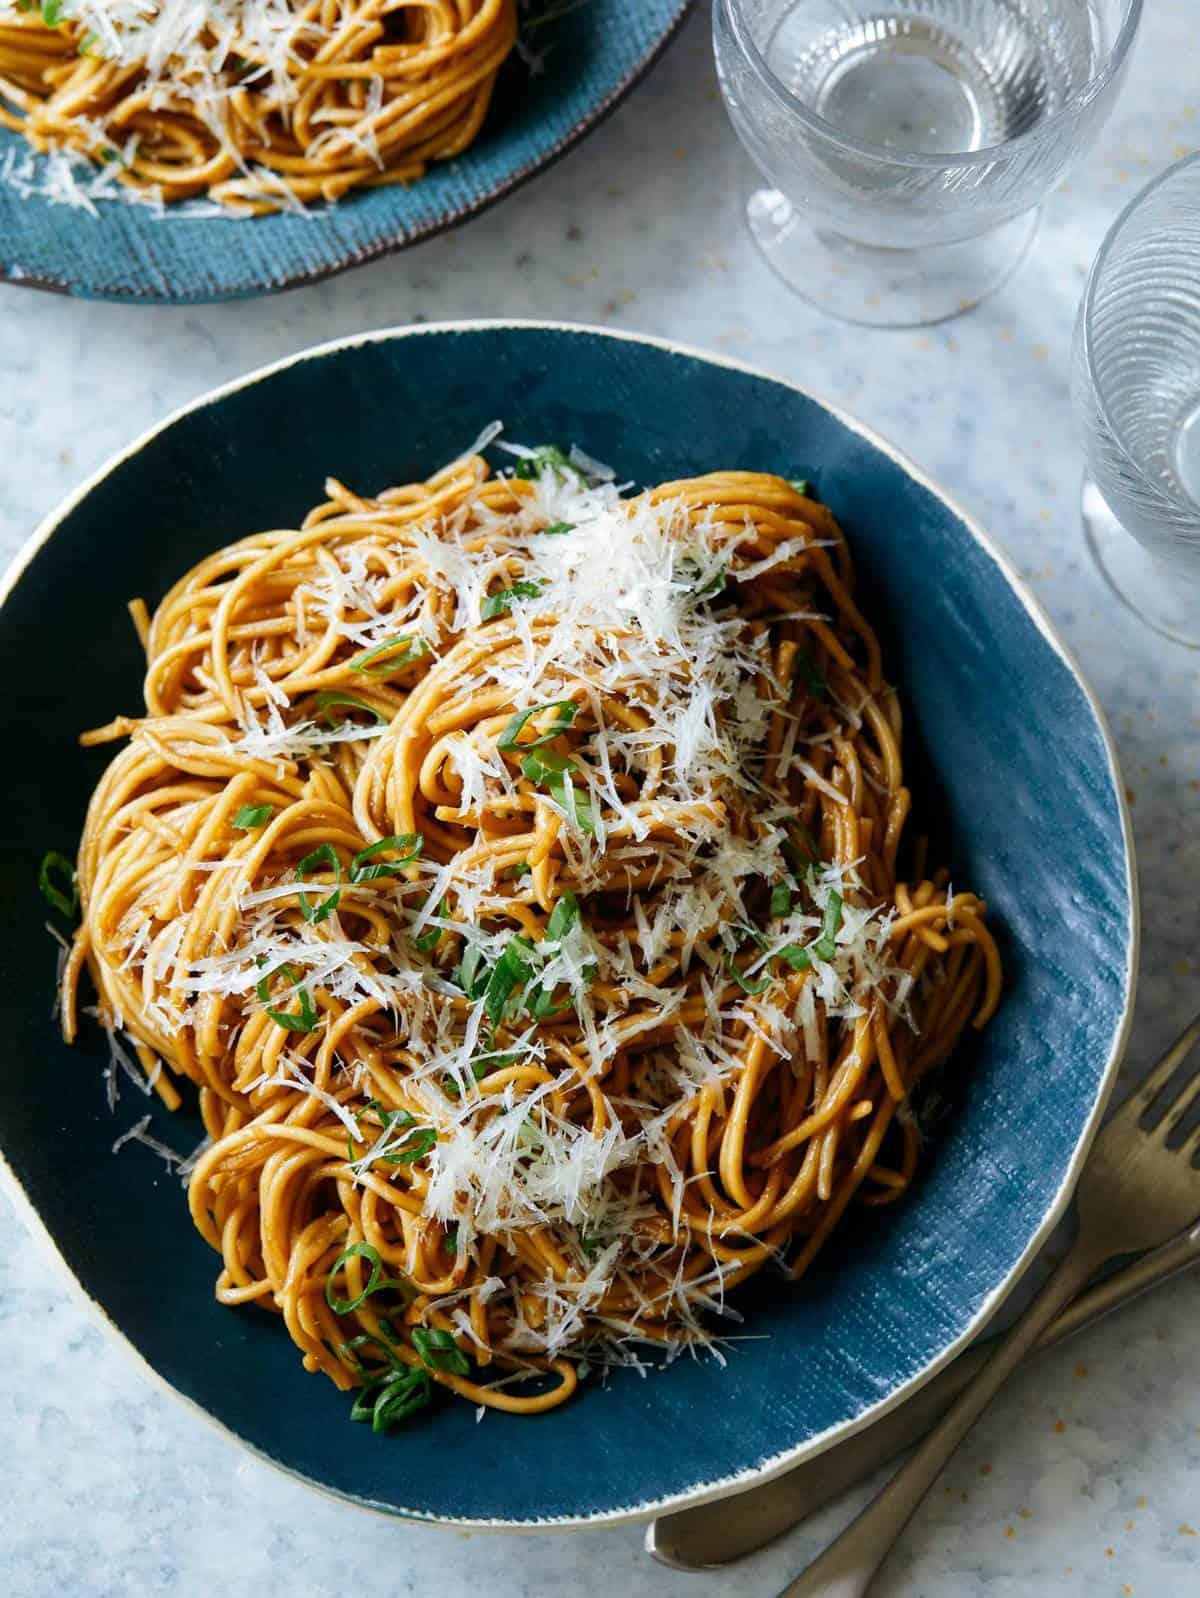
x=1085, y=1477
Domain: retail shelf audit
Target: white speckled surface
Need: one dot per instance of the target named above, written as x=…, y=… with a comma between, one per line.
x=1085, y=1479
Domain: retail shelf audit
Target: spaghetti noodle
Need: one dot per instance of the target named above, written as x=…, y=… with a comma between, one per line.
x=513, y=866
x=261, y=105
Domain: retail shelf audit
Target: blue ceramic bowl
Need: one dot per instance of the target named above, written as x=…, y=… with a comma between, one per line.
x=999, y=722
x=592, y=55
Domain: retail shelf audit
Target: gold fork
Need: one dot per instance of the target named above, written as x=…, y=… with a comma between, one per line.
x=1138, y=1188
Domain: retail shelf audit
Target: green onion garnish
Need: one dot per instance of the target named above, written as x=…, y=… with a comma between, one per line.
x=781, y=899
x=473, y=971
x=64, y=896
x=439, y=1350
x=747, y=984
x=555, y=528
x=349, y=1350
x=451, y=1237
x=346, y=1306
x=398, y=1397
x=303, y=1020
x=411, y=843
x=431, y=939
x=797, y=957
x=552, y=771
x=547, y=457
x=496, y=604
x=562, y=918
x=714, y=585
x=323, y=854
x=385, y=663
x=521, y=869
x=825, y=948
x=328, y=702
x=479, y=1069
x=566, y=709
x=417, y=1143
x=812, y=674
x=251, y=816
x=802, y=486
x=52, y=11
x=510, y=971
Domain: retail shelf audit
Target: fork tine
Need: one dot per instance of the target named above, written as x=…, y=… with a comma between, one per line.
x=1139, y=1102
x=1181, y=1107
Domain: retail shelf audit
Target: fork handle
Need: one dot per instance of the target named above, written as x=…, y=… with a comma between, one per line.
x=848, y=1566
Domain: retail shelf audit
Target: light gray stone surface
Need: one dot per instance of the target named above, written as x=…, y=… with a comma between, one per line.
x=1085, y=1479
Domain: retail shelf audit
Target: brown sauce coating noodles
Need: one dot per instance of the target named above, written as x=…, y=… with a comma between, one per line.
x=533, y=1033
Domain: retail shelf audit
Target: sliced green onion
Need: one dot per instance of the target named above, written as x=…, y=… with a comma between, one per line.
x=251, y=816
x=349, y=1351
x=542, y=1006
x=510, y=971
x=473, y=972
x=802, y=486
x=496, y=604
x=413, y=1147
x=562, y=918
x=303, y=1020
x=439, y=1350
x=323, y=854
x=65, y=902
x=826, y=945
x=86, y=43
x=521, y=869
x=479, y=1069
x=385, y=664
x=812, y=855
x=547, y=457
x=797, y=957
x=52, y=11
x=451, y=1238
x=553, y=771
x=812, y=674
x=546, y=767
x=714, y=585
x=400, y=1398
x=780, y=900
x=431, y=939
x=555, y=528
x=391, y=1395
x=328, y=702
x=566, y=709
x=411, y=842
x=747, y=984
x=346, y=1306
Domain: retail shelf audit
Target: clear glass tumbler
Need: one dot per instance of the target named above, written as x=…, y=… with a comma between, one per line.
x=907, y=144
x=1136, y=383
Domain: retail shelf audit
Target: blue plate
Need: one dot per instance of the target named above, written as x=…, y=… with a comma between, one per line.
x=592, y=55
x=1031, y=814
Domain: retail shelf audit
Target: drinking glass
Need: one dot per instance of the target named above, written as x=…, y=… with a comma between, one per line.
x=1136, y=386
x=908, y=144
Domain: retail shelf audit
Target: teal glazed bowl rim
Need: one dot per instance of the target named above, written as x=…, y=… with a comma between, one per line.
x=1028, y=760
x=596, y=54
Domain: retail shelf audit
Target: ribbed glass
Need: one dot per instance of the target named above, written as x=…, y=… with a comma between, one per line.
x=908, y=123
x=1136, y=369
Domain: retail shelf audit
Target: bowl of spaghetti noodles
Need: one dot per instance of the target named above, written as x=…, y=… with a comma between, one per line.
x=577, y=896
x=155, y=153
